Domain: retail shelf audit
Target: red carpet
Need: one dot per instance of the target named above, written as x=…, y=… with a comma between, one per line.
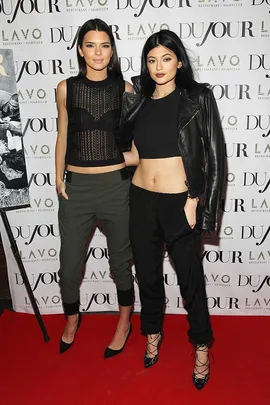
x=33, y=373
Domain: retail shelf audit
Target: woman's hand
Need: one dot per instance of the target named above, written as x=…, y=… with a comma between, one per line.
x=190, y=211
x=61, y=189
x=132, y=157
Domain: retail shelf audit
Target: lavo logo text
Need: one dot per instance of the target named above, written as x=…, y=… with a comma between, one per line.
x=217, y=29
x=141, y=4
x=7, y=7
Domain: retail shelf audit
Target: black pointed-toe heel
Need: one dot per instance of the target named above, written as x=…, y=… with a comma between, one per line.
x=200, y=378
x=65, y=346
x=111, y=352
x=150, y=361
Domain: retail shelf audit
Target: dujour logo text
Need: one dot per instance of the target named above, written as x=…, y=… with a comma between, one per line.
x=259, y=121
x=13, y=8
x=223, y=256
x=98, y=299
x=236, y=150
x=36, y=279
x=40, y=124
x=34, y=67
x=261, y=179
x=231, y=91
x=70, y=34
x=31, y=231
x=257, y=281
x=42, y=179
x=259, y=61
x=215, y=29
x=223, y=302
x=140, y=5
x=232, y=205
x=259, y=232
x=260, y=2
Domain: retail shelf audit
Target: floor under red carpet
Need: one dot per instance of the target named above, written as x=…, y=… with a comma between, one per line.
x=33, y=373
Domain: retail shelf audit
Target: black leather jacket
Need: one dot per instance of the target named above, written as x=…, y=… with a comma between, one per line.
x=200, y=141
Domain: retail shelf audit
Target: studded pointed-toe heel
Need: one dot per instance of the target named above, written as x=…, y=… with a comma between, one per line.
x=155, y=346
x=65, y=346
x=201, y=371
x=111, y=352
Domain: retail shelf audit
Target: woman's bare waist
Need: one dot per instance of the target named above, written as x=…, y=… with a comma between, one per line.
x=95, y=169
x=161, y=175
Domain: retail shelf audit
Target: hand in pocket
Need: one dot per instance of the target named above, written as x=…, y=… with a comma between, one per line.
x=190, y=212
x=61, y=189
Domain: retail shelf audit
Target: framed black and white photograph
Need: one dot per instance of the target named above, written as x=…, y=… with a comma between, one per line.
x=14, y=191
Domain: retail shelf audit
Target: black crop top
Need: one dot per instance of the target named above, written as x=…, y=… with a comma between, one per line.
x=155, y=128
x=93, y=119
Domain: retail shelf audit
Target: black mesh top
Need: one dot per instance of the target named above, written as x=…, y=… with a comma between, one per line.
x=93, y=119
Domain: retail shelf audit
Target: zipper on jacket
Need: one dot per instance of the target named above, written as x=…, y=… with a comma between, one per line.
x=204, y=155
x=186, y=171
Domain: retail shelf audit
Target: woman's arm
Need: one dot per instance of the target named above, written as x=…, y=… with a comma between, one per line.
x=132, y=157
x=61, y=141
x=129, y=87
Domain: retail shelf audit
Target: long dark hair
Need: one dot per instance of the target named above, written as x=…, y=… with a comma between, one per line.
x=98, y=25
x=184, y=76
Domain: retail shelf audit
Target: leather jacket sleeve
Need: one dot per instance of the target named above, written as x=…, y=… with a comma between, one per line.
x=131, y=104
x=214, y=139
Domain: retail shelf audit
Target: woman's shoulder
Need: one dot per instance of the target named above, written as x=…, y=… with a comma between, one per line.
x=198, y=88
x=64, y=83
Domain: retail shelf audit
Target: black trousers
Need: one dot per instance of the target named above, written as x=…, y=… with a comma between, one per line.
x=155, y=219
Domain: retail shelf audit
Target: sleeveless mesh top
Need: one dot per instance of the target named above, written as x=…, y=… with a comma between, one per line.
x=93, y=119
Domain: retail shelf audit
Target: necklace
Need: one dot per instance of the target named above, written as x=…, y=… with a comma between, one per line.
x=156, y=97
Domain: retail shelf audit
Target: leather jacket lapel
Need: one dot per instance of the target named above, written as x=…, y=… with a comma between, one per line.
x=187, y=110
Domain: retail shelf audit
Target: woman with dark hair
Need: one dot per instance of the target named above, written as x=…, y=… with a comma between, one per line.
x=176, y=139
x=91, y=178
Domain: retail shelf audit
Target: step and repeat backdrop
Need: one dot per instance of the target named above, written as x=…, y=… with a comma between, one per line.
x=228, y=42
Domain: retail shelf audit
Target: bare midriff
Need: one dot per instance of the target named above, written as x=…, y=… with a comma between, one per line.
x=95, y=170
x=165, y=175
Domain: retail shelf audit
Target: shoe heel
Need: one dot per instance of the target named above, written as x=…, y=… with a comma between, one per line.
x=150, y=361
x=111, y=352
x=65, y=346
x=199, y=378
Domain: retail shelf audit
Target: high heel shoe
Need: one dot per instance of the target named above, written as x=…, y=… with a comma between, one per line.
x=150, y=361
x=200, y=378
x=65, y=346
x=111, y=352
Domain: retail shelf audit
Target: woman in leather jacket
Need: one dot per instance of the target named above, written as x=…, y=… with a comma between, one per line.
x=170, y=129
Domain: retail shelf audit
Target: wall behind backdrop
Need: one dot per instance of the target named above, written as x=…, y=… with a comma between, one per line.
x=228, y=42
